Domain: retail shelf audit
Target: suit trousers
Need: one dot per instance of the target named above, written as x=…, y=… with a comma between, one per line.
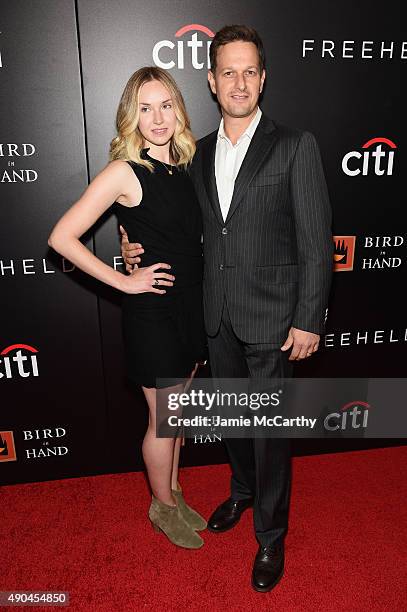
x=261, y=467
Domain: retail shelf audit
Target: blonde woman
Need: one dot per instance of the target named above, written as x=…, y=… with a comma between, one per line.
x=162, y=319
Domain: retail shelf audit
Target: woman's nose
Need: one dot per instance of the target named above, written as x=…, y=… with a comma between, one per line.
x=158, y=118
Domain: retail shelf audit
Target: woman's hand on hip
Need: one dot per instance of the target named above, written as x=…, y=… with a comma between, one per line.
x=148, y=280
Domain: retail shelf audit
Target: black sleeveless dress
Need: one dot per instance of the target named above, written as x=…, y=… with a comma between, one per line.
x=164, y=334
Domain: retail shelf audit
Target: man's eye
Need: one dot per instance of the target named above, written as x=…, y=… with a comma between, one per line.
x=228, y=73
x=251, y=72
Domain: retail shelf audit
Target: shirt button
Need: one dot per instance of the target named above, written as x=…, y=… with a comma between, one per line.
x=224, y=230
x=221, y=267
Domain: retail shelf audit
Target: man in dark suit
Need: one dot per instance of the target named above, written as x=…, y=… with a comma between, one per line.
x=267, y=272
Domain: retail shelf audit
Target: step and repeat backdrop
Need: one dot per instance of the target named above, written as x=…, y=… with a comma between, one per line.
x=333, y=68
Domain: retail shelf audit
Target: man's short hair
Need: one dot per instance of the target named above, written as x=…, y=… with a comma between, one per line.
x=234, y=33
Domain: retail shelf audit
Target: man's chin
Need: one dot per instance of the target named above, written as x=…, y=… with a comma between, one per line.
x=240, y=112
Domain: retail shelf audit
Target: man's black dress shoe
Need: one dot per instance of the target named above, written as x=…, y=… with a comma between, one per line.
x=228, y=514
x=268, y=567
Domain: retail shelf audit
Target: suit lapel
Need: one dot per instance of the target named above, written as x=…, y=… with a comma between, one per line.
x=208, y=163
x=260, y=145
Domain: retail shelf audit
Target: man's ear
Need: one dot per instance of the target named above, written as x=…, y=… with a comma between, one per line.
x=262, y=78
x=212, y=83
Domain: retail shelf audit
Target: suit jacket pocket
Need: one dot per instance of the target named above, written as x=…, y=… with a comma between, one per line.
x=267, y=179
x=277, y=274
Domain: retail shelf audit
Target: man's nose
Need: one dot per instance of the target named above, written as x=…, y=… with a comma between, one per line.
x=241, y=82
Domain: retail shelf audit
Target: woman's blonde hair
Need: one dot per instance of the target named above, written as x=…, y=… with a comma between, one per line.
x=129, y=142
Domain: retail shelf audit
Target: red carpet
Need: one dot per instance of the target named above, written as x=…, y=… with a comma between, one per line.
x=89, y=536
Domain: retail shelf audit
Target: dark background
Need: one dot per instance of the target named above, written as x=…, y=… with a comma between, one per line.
x=64, y=66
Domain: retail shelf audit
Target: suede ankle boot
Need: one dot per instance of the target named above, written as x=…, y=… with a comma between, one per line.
x=195, y=520
x=168, y=519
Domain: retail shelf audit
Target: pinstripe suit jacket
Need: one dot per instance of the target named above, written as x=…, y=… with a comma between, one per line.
x=272, y=257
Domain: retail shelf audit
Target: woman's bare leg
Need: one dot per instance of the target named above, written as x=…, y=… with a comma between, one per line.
x=180, y=441
x=175, y=462
x=158, y=453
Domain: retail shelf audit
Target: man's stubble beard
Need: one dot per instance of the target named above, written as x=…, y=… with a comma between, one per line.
x=242, y=114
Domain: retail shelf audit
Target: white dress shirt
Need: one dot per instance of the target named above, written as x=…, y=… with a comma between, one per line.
x=228, y=159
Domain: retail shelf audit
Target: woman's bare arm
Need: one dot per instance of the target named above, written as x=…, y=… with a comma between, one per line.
x=105, y=189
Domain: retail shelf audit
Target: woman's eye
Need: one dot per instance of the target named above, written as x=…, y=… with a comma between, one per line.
x=167, y=105
x=144, y=108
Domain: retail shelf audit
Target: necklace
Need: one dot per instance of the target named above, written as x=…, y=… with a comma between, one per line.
x=169, y=170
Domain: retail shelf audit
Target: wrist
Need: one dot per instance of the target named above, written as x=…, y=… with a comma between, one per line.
x=120, y=281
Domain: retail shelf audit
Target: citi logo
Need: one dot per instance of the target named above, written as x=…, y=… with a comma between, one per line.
x=375, y=160
x=352, y=416
x=14, y=361
x=168, y=54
